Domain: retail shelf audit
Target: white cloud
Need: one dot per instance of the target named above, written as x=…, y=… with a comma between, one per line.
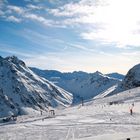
x=11, y=12
x=106, y=21
x=26, y=13
x=82, y=47
x=46, y=61
x=85, y=62
x=38, y=18
x=73, y=9
x=33, y=0
x=37, y=0
x=17, y=9
x=118, y=20
x=34, y=7
x=13, y=19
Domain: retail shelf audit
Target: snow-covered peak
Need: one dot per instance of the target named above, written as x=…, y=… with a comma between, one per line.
x=22, y=88
x=81, y=84
x=97, y=75
x=14, y=60
x=100, y=78
x=116, y=75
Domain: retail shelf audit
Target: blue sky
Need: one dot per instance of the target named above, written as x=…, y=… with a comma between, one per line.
x=69, y=35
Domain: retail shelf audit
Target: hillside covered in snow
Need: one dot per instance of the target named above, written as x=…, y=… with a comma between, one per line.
x=101, y=117
x=21, y=90
x=131, y=80
x=96, y=120
x=82, y=85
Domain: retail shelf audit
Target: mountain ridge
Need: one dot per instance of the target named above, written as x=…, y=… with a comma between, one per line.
x=83, y=85
x=21, y=88
x=130, y=81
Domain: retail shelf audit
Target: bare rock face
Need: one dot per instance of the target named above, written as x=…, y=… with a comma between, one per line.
x=132, y=78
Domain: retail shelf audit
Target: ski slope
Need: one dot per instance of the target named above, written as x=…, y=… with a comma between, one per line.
x=96, y=120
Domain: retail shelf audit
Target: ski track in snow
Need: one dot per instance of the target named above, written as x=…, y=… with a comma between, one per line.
x=89, y=122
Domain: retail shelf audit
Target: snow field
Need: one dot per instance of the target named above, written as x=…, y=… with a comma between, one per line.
x=89, y=122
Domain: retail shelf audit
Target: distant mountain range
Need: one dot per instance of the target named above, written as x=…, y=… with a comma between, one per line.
x=24, y=90
x=93, y=85
x=21, y=90
x=116, y=75
x=81, y=84
x=49, y=74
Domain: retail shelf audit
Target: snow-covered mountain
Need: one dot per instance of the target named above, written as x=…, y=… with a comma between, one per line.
x=116, y=75
x=88, y=87
x=21, y=89
x=55, y=76
x=83, y=85
x=131, y=80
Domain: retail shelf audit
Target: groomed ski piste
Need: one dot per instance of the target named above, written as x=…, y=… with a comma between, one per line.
x=106, y=118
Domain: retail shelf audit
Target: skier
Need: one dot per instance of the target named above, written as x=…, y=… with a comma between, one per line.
x=131, y=108
x=131, y=111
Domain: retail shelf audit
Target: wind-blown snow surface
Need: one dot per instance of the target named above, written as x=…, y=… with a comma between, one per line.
x=96, y=120
x=22, y=90
x=82, y=85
